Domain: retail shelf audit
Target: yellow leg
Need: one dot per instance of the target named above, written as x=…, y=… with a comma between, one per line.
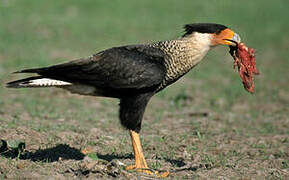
x=140, y=163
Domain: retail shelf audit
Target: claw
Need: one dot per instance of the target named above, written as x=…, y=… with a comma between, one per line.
x=148, y=171
x=130, y=167
x=140, y=163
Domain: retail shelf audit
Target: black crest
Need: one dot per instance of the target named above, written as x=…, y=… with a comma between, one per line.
x=203, y=28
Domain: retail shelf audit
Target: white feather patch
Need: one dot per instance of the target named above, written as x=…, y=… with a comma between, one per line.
x=46, y=82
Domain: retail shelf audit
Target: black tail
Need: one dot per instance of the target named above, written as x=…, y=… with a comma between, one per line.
x=48, y=76
x=34, y=70
x=22, y=82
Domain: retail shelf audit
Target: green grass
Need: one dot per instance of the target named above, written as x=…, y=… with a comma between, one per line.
x=242, y=134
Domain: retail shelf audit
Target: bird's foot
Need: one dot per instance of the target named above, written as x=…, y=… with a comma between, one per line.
x=147, y=171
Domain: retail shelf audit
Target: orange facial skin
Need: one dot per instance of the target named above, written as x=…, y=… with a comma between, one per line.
x=223, y=38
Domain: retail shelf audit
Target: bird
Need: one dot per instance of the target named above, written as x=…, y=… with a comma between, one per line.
x=133, y=74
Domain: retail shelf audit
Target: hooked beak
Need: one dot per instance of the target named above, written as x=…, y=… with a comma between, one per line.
x=226, y=37
x=234, y=40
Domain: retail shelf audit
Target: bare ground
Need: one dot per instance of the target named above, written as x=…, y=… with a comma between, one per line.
x=190, y=144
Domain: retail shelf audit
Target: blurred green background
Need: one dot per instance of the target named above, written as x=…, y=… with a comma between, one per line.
x=35, y=33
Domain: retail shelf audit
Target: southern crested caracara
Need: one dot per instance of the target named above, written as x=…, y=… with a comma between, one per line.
x=133, y=74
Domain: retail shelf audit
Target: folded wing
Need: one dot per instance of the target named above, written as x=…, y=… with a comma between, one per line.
x=128, y=67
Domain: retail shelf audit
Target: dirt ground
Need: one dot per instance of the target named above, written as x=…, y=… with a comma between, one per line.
x=189, y=144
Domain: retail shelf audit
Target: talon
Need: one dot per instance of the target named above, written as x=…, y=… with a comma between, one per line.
x=140, y=163
x=139, y=169
x=130, y=167
x=162, y=175
x=147, y=171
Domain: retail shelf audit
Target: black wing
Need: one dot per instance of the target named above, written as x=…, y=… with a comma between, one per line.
x=137, y=67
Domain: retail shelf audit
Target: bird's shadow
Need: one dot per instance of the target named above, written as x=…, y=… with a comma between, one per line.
x=60, y=151
x=65, y=152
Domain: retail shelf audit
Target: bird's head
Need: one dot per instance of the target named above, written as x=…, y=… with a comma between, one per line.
x=217, y=34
